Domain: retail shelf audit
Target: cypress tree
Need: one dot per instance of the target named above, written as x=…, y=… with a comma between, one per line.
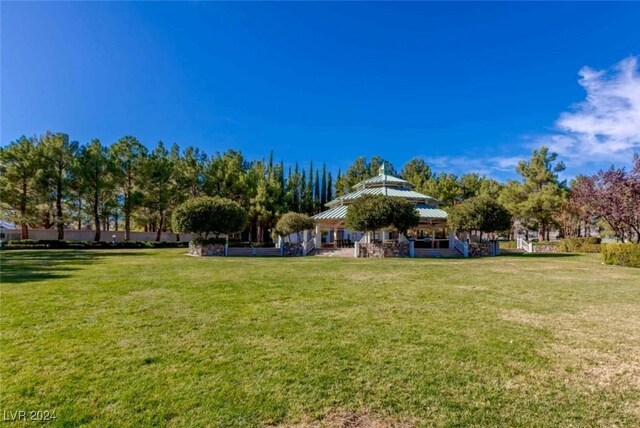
x=316, y=193
x=323, y=188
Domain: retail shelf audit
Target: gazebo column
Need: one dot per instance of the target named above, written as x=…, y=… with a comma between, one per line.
x=385, y=235
x=335, y=235
x=318, y=237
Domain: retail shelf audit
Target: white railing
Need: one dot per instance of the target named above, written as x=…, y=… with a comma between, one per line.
x=461, y=246
x=308, y=246
x=522, y=244
x=356, y=245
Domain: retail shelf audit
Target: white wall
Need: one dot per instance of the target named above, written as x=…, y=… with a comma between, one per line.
x=105, y=235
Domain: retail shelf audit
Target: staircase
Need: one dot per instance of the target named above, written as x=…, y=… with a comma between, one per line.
x=437, y=252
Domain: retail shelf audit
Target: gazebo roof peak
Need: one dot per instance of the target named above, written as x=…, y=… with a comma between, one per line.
x=383, y=179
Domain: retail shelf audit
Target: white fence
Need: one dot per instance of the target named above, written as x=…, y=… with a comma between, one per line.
x=524, y=245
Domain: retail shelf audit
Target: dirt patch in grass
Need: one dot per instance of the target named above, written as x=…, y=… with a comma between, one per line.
x=471, y=288
x=370, y=277
x=351, y=420
x=586, y=351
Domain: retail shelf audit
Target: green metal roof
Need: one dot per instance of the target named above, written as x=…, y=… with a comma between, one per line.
x=337, y=213
x=426, y=212
x=384, y=184
x=384, y=190
x=384, y=179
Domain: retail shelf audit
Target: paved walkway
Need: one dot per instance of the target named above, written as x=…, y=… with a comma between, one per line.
x=337, y=252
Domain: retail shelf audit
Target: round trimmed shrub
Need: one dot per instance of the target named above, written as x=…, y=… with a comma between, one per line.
x=293, y=223
x=370, y=213
x=204, y=216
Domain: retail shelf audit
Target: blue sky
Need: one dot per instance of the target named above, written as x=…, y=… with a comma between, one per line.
x=468, y=86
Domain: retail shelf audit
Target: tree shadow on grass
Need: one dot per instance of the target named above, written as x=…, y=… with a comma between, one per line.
x=538, y=255
x=39, y=265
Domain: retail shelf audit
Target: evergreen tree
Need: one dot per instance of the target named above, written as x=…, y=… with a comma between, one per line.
x=158, y=177
x=360, y=170
x=445, y=188
x=19, y=167
x=56, y=159
x=128, y=156
x=316, y=194
x=416, y=172
x=323, y=187
x=226, y=176
x=539, y=198
x=94, y=171
x=470, y=185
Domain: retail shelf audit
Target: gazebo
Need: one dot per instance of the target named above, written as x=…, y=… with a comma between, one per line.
x=432, y=230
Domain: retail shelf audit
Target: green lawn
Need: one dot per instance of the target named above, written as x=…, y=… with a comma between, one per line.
x=154, y=337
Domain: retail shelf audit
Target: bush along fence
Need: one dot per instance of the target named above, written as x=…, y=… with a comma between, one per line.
x=621, y=254
x=567, y=245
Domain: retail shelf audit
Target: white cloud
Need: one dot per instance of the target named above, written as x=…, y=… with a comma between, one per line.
x=601, y=130
x=490, y=166
x=606, y=125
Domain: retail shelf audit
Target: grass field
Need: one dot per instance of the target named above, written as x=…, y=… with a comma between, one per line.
x=154, y=337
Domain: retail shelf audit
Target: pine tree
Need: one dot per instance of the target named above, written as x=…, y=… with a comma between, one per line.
x=19, y=168
x=128, y=155
x=94, y=172
x=57, y=156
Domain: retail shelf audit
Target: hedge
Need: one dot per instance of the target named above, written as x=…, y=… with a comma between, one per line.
x=25, y=244
x=621, y=254
x=579, y=245
x=507, y=245
x=568, y=245
x=553, y=243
